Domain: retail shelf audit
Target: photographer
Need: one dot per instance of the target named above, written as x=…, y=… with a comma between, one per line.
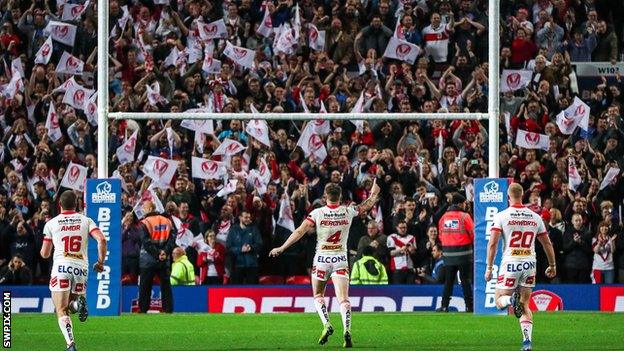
x=434, y=272
x=16, y=272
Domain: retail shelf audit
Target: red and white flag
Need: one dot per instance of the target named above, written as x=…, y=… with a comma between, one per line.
x=264, y=171
x=284, y=40
x=45, y=52
x=16, y=67
x=316, y=38
x=266, y=26
x=211, y=65
x=198, y=125
x=530, y=140
x=66, y=85
x=297, y=23
x=312, y=144
x=358, y=108
x=153, y=94
x=512, y=80
x=574, y=178
x=72, y=12
x=75, y=177
x=321, y=126
x=69, y=64
x=195, y=52
x=15, y=84
x=212, y=30
x=90, y=109
x=125, y=152
x=229, y=148
x=52, y=124
x=255, y=180
x=379, y=218
x=160, y=170
x=575, y=115
x=440, y=147
x=200, y=141
x=173, y=58
x=240, y=56
x=61, y=32
x=229, y=188
x=402, y=50
x=76, y=96
x=259, y=129
x=148, y=194
x=207, y=169
x=610, y=177
x=285, y=217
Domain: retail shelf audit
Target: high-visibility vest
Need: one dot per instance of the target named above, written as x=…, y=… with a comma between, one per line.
x=159, y=228
x=182, y=272
x=456, y=233
x=362, y=275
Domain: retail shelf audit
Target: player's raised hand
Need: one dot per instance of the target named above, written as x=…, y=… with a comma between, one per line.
x=488, y=275
x=551, y=272
x=98, y=267
x=276, y=252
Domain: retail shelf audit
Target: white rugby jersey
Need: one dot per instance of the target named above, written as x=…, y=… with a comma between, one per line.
x=69, y=233
x=332, y=227
x=519, y=227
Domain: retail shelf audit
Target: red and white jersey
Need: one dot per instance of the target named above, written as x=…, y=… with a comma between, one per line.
x=603, y=259
x=520, y=227
x=332, y=227
x=448, y=101
x=436, y=42
x=69, y=233
x=404, y=261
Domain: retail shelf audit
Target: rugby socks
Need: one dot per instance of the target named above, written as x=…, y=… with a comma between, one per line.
x=504, y=302
x=65, y=324
x=321, y=308
x=73, y=306
x=526, y=326
x=345, y=313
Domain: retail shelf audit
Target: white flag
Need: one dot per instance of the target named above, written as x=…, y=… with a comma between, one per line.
x=200, y=141
x=66, y=85
x=229, y=188
x=255, y=180
x=266, y=26
x=125, y=152
x=45, y=52
x=358, y=108
x=76, y=96
x=316, y=38
x=16, y=67
x=259, y=129
x=440, y=147
x=312, y=144
x=229, y=148
x=198, y=125
x=240, y=56
x=609, y=178
x=530, y=140
x=379, y=218
x=75, y=177
x=211, y=65
x=574, y=178
x=297, y=23
x=212, y=30
x=90, y=109
x=264, y=171
x=512, y=80
x=70, y=64
x=61, y=32
x=52, y=124
x=575, y=115
x=207, y=169
x=148, y=195
x=285, y=218
x=321, y=126
x=402, y=50
x=194, y=50
x=153, y=94
x=284, y=40
x=173, y=57
x=160, y=169
x=15, y=84
x=170, y=139
x=73, y=12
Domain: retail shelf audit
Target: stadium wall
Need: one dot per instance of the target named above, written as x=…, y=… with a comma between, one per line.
x=297, y=298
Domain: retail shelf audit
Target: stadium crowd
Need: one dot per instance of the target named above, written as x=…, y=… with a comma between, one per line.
x=317, y=56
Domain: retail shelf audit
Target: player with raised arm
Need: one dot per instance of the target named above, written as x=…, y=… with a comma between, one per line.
x=519, y=227
x=69, y=234
x=332, y=223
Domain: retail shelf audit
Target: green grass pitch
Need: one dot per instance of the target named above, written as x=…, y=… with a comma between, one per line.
x=299, y=331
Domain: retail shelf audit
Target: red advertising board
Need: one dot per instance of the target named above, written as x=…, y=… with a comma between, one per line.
x=612, y=299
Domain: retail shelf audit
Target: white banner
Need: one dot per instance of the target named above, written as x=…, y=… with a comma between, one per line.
x=207, y=169
x=70, y=64
x=75, y=177
x=61, y=32
x=212, y=30
x=160, y=170
x=76, y=96
x=229, y=148
x=512, y=80
x=240, y=56
x=530, y=140
x=597, y=69
x=401, y=50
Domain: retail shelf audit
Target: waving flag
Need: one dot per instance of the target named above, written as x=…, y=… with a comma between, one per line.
x=285, y=218
x=16, y=67
x=312, y=144
x=73, y=12
x=401, y=50
x=75, y=177
x=148, y=194
x=574, y=178
x=52, y=124
x=198, y=125
x=256, y=181
x=45, y=52
x=15, y=84
x=297, y=23
x=62, y=32
x=316, y=38
x=90, y=109
x=229, y=148
x=200, y=141
x=125, y=152
x=212, y=30
x=207, y=169
x=240, y=56
x=76, y=96
x=610, y=177
x=266, y=26
x=211, y=65
x=229, y=188
x=160, y=170
x=358, y=108
x=575, y=115
x=284, y=40
x=153, y=94
x=530, y=140
x=66, y=85
x=259, y=129
x=69, y=64
x=512, y=80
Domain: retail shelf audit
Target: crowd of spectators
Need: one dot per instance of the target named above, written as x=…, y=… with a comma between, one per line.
x=157, y=63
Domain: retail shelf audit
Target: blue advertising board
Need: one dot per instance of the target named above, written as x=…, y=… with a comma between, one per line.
x=490, y=198
x=103, y=205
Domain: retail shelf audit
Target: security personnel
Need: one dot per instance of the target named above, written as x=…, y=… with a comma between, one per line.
x=182, y=270
x=157, y=243
x=368, y=270
x=457, y=237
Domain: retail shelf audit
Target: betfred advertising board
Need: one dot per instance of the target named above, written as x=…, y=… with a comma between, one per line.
x=612, y=299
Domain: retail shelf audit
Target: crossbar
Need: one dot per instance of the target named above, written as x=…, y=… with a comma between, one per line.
x=299, y=116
